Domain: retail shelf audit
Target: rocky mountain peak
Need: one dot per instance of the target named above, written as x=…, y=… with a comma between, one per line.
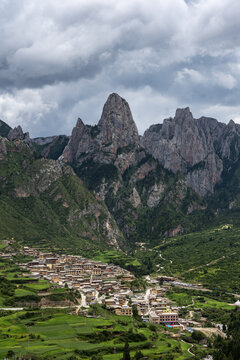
x=79, y=123
x=116, y=129
x=18, y=134
x=80, y=142
x=186, y=145
x=116, y=125
x=231, y=125
x=183, y=114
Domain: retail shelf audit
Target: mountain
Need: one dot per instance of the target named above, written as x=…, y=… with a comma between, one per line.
x=200, y=149
x=4, y=129
x=165, y=183
x=50, y=147
x=145, y=199
x=43, y=203
x=115, y=130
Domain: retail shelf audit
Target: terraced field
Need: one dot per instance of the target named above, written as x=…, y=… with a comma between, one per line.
x=49, y=333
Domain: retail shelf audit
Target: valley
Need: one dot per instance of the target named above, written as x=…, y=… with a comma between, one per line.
x=114, y=240
x=69, y=306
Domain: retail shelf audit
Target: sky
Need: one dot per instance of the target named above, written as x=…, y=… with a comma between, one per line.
x=60, y=60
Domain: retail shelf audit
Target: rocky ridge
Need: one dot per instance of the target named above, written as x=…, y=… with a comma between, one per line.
x=197, y=148
x=160, y=179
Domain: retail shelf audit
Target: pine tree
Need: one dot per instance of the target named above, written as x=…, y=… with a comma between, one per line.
x=126, y=352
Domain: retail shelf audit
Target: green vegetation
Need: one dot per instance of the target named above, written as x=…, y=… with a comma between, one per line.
x=229, y=348
x=41, y=207
x=93, y=173
x=200, y=299
x=121, y=259
x=210, y=256
x=54, y=333
x=17, y=290
x=48, y=333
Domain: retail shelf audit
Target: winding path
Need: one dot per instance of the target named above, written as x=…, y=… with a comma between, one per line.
x=189, y=349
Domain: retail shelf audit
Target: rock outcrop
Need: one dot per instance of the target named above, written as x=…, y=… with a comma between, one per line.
x=4, y=129
x=18, y=134
x=50, y=147
x=197, y=148
x=117, y=127
x=116, y=131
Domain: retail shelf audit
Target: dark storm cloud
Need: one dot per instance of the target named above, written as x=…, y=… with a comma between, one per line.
x=60, y=60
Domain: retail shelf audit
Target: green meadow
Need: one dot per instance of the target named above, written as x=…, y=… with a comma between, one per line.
x=210, y=256
x=49, y=333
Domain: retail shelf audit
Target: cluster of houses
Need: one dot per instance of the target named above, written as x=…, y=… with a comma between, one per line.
x=88, y=276
x=102, y=283
x=156, y=308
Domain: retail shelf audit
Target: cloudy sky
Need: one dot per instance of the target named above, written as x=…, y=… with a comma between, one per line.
x=59, y=60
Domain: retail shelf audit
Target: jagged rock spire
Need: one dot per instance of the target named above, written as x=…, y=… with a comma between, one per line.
x=18, y=134
x=116, y=129
x=116, y=124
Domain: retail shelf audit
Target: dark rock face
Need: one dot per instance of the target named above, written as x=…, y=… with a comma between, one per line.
x=4, y=129
x=49, y=147
x=197, y=148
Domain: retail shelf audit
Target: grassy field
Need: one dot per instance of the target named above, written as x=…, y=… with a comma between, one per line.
x=119, y=258
x=207, y=302
x=198, y=299
x=48, y=333
x=210, y=257
x=41, y=285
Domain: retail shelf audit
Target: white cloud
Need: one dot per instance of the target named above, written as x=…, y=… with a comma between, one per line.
x=25, y=107
x=225, y=80
x=219, y=78
x=59, y=60
x=192, y=75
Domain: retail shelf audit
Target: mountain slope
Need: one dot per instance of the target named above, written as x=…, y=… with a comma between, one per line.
x=146, y=200
x=4, y=129
x=43, y=203
x=179, y=175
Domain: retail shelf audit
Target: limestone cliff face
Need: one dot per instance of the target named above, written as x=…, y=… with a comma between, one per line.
x=18, y=134
x=101, y=143
x=117, y=127
x=197, y=148
x=80, y=143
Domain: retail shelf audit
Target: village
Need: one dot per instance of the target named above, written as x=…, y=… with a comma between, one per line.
x=101, y=283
